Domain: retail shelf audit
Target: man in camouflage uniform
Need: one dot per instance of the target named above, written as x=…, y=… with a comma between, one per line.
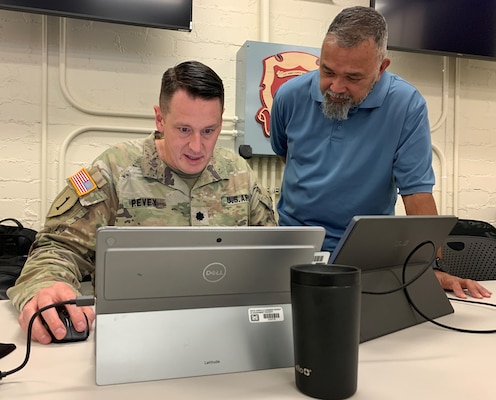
x=173, y=177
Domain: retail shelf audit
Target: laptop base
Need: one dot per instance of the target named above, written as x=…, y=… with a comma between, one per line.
x=155, y=345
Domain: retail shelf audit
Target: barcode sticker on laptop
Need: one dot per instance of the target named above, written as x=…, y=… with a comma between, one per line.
x=272, y=314
x=321, y=257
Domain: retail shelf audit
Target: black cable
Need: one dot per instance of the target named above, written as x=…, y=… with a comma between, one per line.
x=439, y=323
x=80, y=301
x=404, y=285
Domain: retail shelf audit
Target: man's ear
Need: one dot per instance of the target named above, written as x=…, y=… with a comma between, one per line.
x=384, y=64
x=159, y=118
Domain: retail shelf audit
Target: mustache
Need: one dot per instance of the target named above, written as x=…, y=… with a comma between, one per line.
x=330, y=94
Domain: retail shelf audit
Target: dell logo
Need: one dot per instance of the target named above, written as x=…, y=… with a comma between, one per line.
x=214, y=272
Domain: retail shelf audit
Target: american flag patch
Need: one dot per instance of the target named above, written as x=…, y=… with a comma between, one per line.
x=82, y=182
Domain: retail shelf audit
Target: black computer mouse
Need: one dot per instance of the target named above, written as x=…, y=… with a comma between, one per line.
x=72, y=334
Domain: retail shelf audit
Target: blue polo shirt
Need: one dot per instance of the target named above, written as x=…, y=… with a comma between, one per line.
x=338, y=169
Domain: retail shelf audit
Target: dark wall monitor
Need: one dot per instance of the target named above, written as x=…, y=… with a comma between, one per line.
x=463, y=28
x=166, y=14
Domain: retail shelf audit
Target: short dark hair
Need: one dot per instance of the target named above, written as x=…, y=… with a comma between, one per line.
x=353, y=25
x=197, y=79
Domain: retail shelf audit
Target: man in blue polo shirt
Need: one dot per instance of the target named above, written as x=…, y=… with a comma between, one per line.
x=353, y=136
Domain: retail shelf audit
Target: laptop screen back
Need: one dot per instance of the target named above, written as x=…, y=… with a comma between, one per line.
x=163, y=268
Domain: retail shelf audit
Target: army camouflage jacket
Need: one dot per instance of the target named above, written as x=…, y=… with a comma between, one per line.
x=130, y=185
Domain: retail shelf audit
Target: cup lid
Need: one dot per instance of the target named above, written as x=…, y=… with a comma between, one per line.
x=325, y=275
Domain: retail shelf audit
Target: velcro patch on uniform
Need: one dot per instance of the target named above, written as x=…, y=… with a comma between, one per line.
x=83, y=182
x=64, y=201
x=97, y=177
x=199, y=216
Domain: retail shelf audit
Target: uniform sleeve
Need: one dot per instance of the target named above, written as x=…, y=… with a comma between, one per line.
x=261, y=208
x=64, y=250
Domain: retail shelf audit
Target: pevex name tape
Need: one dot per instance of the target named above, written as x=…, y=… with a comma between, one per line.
x=83, y=182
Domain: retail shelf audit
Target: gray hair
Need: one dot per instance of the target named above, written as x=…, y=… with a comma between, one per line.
x=353, y=25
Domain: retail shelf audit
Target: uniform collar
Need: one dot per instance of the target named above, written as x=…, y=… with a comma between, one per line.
x=155, y=168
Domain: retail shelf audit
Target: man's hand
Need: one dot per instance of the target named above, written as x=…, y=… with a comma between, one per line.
x=461, y=286
x=57, y=292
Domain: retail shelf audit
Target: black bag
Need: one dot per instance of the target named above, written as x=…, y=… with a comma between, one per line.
x=15, y=242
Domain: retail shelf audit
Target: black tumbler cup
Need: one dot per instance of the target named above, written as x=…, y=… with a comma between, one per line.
x=326, y=329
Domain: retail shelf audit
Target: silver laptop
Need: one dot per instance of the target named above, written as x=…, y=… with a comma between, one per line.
x=186, y=301
x=380, y=246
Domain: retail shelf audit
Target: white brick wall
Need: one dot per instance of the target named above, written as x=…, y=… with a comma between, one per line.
x=114, y=68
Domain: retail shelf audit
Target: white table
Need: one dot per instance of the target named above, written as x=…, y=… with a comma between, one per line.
x=421, y=362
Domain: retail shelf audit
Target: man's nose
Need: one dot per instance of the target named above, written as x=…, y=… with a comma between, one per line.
x=195, y=142
x=337, y=85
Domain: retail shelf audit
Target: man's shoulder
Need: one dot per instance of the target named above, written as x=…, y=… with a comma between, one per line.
x=125, y=152
x=393, y=90
x=227, y=160
x=399, y=83
x=224, y=155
